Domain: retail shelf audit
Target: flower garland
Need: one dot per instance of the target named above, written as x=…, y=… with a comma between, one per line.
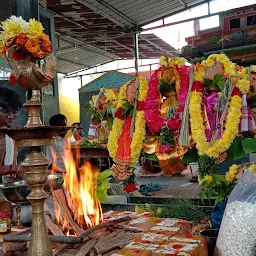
x=152, y=102
x=239, y=77
x=198, y=128
x=140, y=124
x=237, y=74
x=171, y=62
x=111, y=95
x=118, y=123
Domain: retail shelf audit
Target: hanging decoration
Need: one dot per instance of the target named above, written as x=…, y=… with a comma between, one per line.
x=215, y=105
x=124, y=150
x=164, y=106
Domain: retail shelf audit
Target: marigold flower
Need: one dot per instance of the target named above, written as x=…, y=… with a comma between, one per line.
x=208, y=178
x=40, y=54
x=32, y=45
x=229, y=176
x=21, y=39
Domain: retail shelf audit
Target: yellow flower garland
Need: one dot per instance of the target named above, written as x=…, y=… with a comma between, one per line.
x=138, y=137
x=170, y=61
x=140, y=125
x=229, y=66
x=111, y=96
x=113, y=137
x=241, y=78
x=117, y=126
x=198, y=128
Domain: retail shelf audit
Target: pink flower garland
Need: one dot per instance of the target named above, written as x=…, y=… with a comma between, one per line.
x=184, y=84
x=152, y=114
x=154, y=120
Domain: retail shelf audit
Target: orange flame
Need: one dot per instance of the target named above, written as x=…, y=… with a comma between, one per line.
x=80, y=186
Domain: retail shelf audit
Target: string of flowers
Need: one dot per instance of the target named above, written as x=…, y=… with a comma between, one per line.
x=239, y=79
x=237, y=74
x=118, y=123
x=198, y=128
x=140, y=124
x=152, y=102
x=111, y=95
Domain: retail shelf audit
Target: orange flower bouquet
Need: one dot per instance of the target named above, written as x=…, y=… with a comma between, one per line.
x=27, y=36
x=24, y=44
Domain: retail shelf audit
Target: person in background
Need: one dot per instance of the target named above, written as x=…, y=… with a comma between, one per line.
x=10, y=104
x=77, y=132
x=61, y=146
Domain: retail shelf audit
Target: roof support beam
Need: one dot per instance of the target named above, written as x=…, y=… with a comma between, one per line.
x=73, y=62
x=82, y=26
x=182, y=3
x=171, y=53
x=88, y=47
x=112, y=9
x=73, y=74
x=109, y=17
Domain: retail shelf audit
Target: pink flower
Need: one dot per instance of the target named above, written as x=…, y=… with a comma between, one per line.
x=165, y=149
x=173, y=124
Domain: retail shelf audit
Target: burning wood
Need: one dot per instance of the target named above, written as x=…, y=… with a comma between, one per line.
x=53, y=227
x=61, y=199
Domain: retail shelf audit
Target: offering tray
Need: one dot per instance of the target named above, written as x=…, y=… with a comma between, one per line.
x=16, y=191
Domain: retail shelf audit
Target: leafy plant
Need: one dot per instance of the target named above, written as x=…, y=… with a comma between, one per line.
x=103, y=184
x=177, y=208
x=152, y=157
x=127, y=108
x=166, y=137
x=186, y=49
x=207, y=166
x=190, y=156
x=218, y=188
x=95, y=114
x=218, y=83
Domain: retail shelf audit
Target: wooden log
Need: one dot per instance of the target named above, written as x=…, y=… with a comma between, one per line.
x=86, y=247
x=59, y=249
x=9, y=248
x=57, y=239
x=105, y=225
x=53, y=227
x=120, y=241
x=62, y=201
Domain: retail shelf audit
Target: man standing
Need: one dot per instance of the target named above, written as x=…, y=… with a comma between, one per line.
x=60, y=148
x=77, y=132
x=10, y=104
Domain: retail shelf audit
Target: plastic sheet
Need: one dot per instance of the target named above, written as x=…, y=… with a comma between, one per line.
x=237, y=236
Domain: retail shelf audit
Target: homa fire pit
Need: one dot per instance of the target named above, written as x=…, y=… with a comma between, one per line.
x=122, y=233
x=34, y=135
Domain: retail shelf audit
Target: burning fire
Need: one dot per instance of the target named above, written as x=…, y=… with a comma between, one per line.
x=80, y=187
